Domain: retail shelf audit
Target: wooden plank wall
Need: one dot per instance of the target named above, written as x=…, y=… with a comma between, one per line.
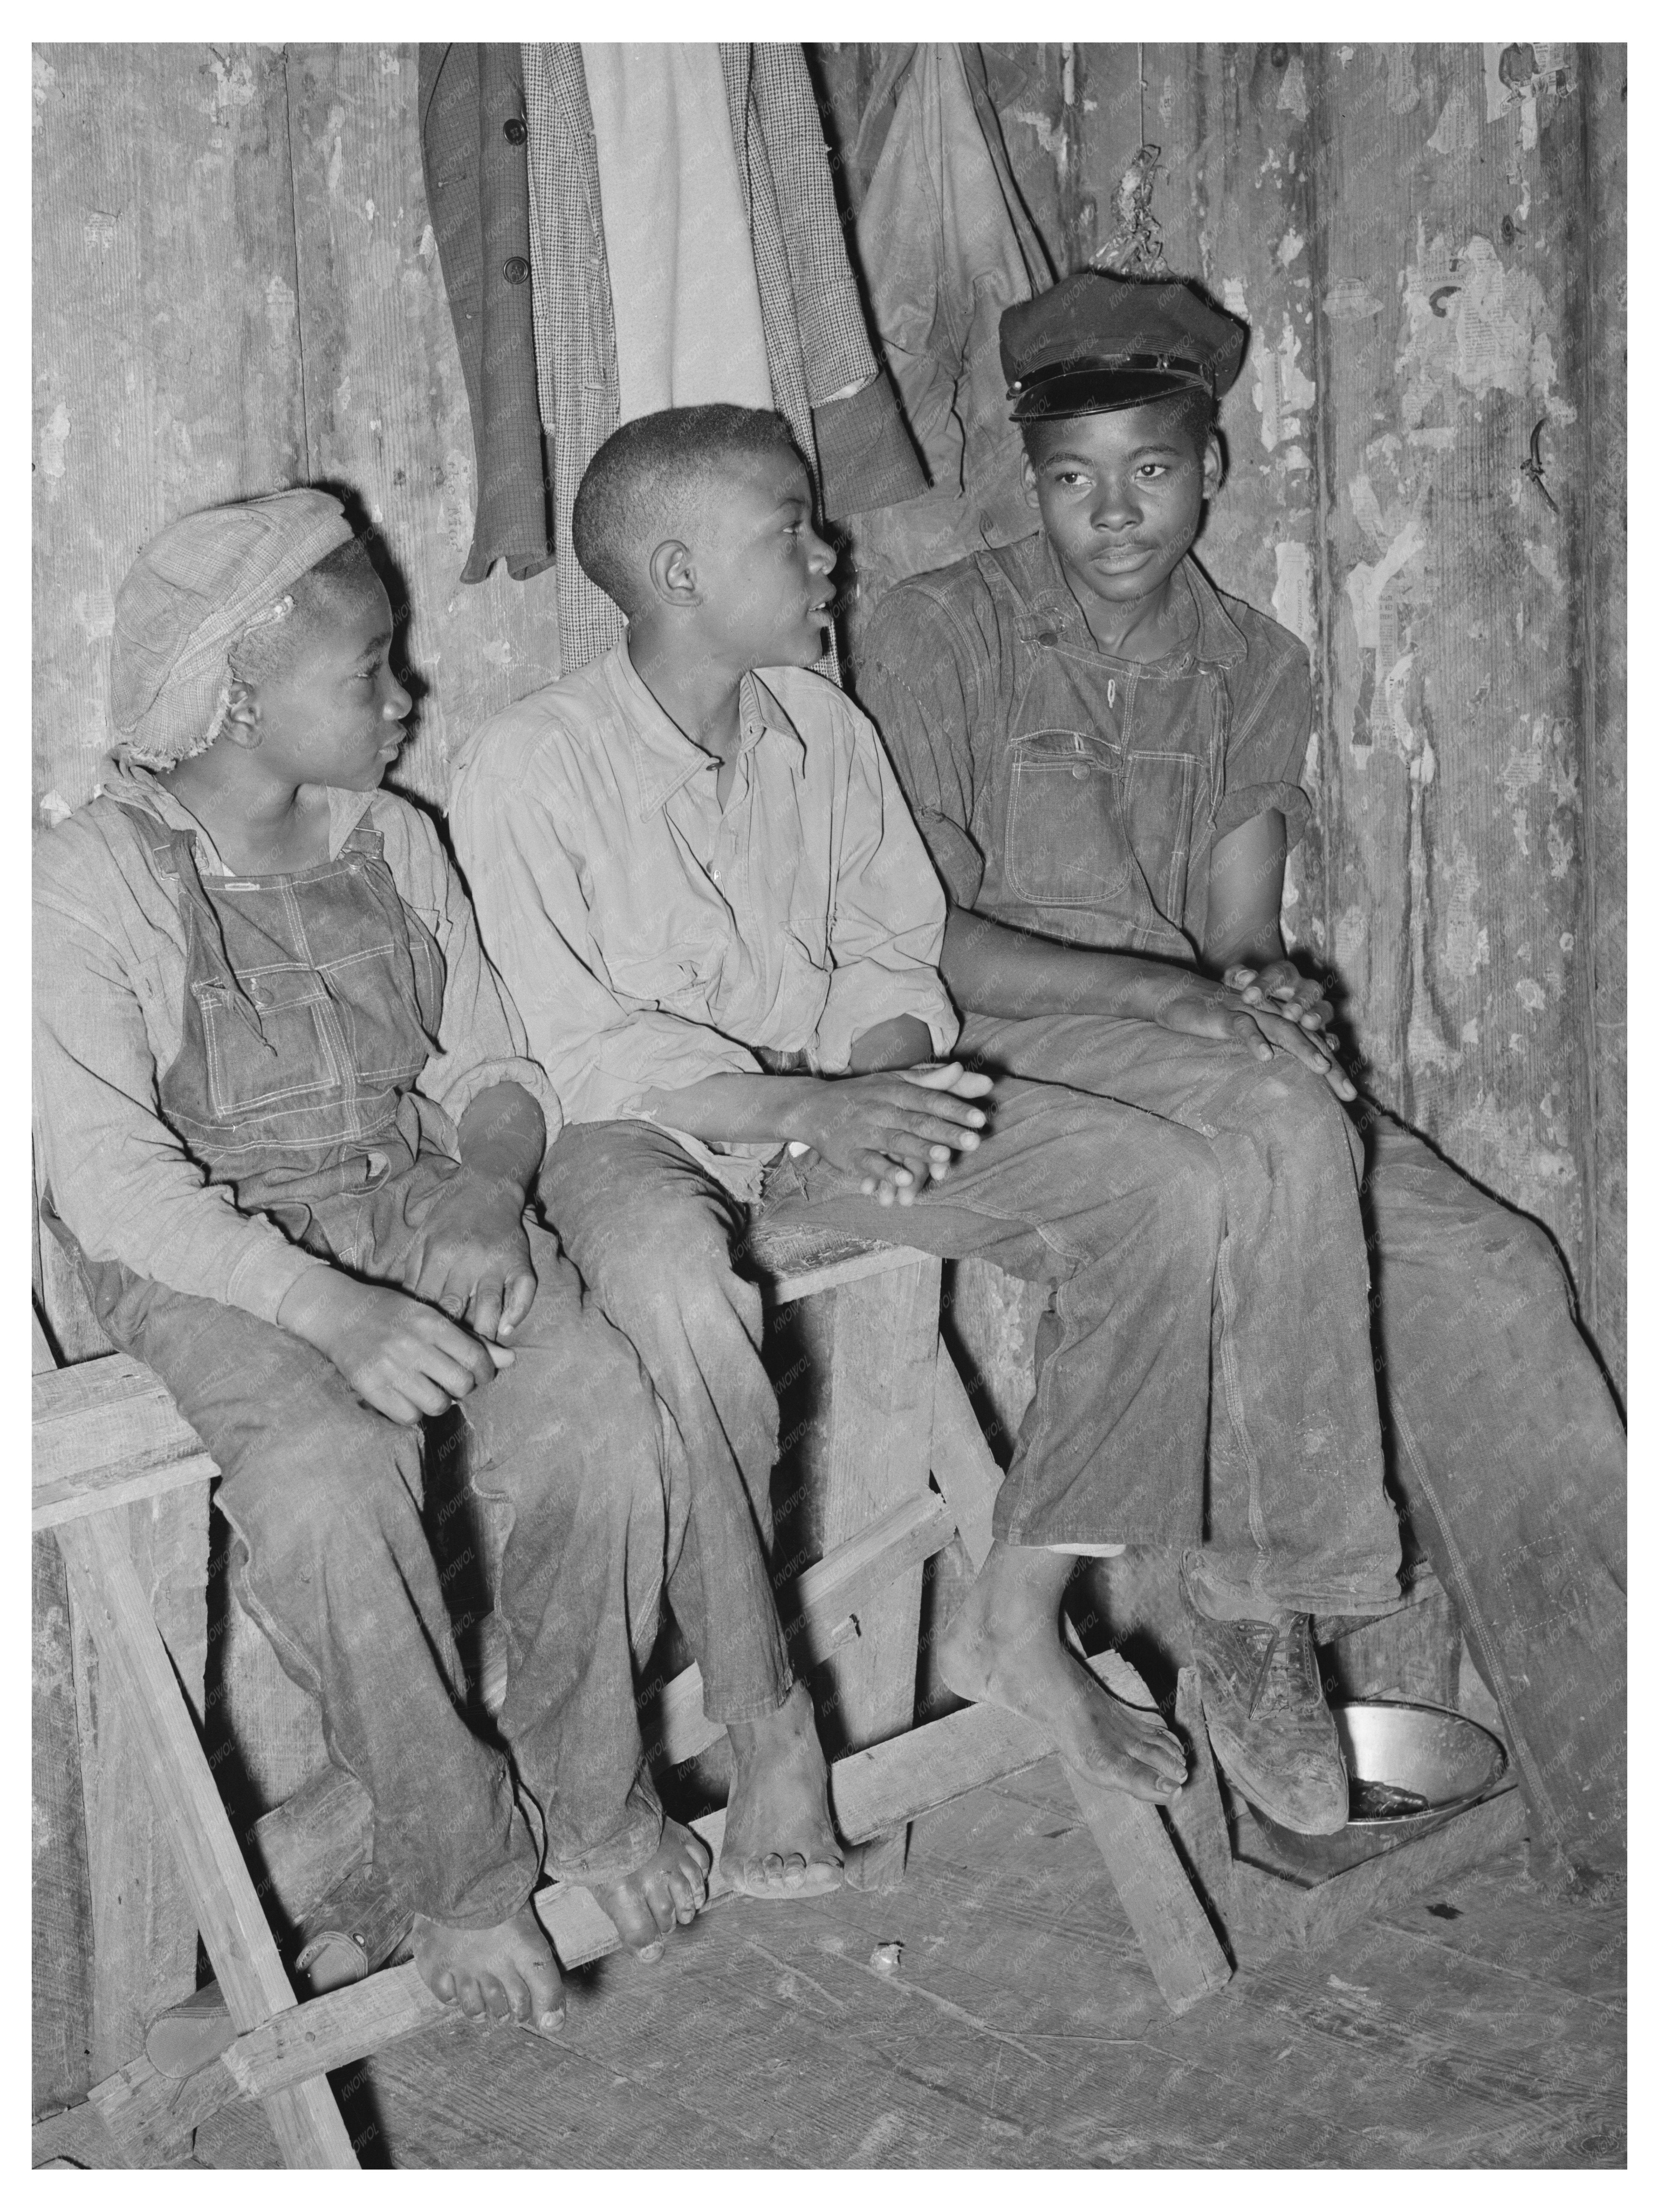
x=1428, y=242
x=236, y=288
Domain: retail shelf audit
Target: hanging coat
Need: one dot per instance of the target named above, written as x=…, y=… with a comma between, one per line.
x=562, y=346
x=945, y=244
x=817, y=350
x=473, y=137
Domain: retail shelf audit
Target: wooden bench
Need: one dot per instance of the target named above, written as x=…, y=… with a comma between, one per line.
x=891, y=1412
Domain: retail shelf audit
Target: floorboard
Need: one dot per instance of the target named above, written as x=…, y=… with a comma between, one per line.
x=1481, y=2028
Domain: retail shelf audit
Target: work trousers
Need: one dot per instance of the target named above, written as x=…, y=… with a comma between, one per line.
x=567, y=1460
x=1505, y=1446
x=1145, y=1357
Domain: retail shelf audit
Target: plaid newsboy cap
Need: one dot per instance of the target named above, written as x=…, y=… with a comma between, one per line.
x=1096, y=343
x=194, y=589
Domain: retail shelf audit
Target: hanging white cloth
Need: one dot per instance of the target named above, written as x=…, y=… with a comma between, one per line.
x=684, y=295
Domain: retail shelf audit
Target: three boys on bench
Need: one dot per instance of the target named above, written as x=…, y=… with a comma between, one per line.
x=293, y=1123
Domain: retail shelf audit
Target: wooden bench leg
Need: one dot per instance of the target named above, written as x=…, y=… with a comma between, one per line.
x=60, y=1908
x=131, y=1654
x=143, y=1943
x=883, y=1362
x=1174, y=1932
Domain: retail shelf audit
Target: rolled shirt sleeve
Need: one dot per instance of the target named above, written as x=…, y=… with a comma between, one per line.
x=888, y=922
x=1268, y=742
x=119, y=1179
x=601, y=1053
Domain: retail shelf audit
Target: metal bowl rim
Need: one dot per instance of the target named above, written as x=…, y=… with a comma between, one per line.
x=1446, y=1806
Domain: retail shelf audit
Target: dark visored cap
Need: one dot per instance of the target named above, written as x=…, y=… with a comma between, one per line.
x=1096, y=343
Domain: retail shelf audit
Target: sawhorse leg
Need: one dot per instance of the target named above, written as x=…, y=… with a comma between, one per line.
x=133, y=1658
x=885, y=1350
x=1180, y=1945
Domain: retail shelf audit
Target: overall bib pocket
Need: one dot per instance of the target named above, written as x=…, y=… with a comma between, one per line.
x=1066, y=845
x=1159, y=803
x=296, y=1062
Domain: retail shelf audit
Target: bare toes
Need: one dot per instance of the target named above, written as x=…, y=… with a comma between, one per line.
x=546, y=1993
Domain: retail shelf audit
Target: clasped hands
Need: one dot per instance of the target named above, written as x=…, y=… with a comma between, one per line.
x=897, y=1130
x=1265, y=1007
x=467, y=1283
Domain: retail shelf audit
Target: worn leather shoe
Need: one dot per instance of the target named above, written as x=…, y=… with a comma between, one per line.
x=1267, y=1720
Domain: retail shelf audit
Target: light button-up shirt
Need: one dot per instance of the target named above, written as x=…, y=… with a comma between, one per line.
x=652, y=937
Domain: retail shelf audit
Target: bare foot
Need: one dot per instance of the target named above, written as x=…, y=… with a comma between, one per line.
x=506, y=1972
x=1003, y=1648
x=779, y=1840
x=668, y=1891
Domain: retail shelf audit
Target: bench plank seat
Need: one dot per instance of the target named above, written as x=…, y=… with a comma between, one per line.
x=107, y=1432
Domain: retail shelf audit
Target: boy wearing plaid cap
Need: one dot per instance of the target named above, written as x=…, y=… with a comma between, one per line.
x=288, y=1125
x=1103, y=752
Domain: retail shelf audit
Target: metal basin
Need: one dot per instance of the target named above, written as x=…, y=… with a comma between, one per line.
x=1430, y=1762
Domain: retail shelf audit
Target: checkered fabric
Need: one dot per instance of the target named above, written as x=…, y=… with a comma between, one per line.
x=194, y=589
x=816, y=344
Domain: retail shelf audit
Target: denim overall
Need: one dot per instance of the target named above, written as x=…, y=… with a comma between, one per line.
x=312, y=1004
x=1506, y=1448
x=1105, y=772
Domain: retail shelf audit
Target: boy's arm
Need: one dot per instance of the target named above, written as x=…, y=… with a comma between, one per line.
x=1243, y=942
x=893, y=1129
x=481, y=1042
x=125, y=1188
x=472, y=1256
x=609, y=1060
x=994, y=970
x=119, y=1179
x=1247, y=890
x=886, y=922
x=1262, y=813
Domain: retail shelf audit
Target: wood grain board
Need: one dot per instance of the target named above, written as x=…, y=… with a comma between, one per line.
x=1428, y=242
x=1023, y=2031
x=60, y=1917
x=236, y=288
x=106, y=1432
x=180, y=1787
x=144, y=1946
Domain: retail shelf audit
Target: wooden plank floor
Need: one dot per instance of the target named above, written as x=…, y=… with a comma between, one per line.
x=1484, y=2026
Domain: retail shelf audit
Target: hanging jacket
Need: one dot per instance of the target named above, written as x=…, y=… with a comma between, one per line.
x=946, y=245
x=817, y=347
x=826, y=380
x=473, y=138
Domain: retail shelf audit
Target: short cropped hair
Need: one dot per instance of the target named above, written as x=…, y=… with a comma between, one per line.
x=644, y=484
x=1192, y=413
x=259, y=653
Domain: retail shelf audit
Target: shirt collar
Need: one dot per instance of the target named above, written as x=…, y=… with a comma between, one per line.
x=665, y=759
x=135, y=786
x=1052, y=607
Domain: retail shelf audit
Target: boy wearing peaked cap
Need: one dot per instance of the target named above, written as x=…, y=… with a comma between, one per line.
x=1102, y=751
